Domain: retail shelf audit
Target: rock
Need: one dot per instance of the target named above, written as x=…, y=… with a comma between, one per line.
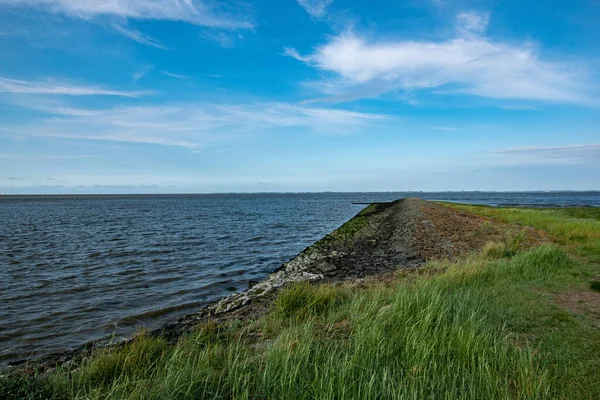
x=45, y=375
x=325, y=267
x=68, y=364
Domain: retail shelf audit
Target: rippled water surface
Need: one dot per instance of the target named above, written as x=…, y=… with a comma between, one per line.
x=78, y=268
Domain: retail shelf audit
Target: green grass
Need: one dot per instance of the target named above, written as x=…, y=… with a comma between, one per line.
x=582, y=212
x=303, y=299
x=578, y=228
x=347, y=232
x=482, y=327
x=26, y=388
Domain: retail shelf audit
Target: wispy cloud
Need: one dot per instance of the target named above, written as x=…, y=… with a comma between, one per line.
x=139, y=37
x=445, y=128
x=198, y=12
x=141, y=73
x=188, y=125
x=13, y=157
x=552, y=150
x=559, y=155
x=282, y=114
x=518, y=107
x=172, y=75
x=469, y=63
x=316, y=8
x=472, y=23
x=52, y=87
x=224, y=39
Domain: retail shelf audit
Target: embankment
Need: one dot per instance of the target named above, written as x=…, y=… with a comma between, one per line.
x=382, y=238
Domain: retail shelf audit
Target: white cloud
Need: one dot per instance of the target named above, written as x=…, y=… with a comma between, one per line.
x=282, y=114
x=445, y=128
x=139, y=37
x=139, y=75
x=198, y=12
x=549, y=155
x=224, y=39
x=187, y=125
x=12, y=157
x=518, y=107
x=291, y=52
x=172, y=75
x=61, y=88
x=552, y=150
x=316, y=8
x=468, y=63
x=470, y=22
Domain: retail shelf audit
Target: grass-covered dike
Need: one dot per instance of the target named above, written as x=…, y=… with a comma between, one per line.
x=507, y=322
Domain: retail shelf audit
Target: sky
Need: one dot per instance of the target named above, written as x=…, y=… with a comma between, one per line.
x=204, y=96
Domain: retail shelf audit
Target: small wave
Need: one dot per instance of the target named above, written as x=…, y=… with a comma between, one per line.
x=158, y=252
x=124, y=253
x=234, y=272
x=42, y=284
x=256, y=239
x=278, y=226
x=164, y=280
x=130, y=272
x=146, y=315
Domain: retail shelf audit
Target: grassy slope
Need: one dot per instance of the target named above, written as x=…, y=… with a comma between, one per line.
x=484, y=327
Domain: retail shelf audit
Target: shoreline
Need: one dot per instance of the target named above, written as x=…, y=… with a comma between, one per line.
x=381, y=238
x=258, y=291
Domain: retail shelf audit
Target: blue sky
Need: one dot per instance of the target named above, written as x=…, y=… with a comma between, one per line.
x=186, y=96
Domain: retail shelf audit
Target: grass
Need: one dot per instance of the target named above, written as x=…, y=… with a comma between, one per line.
x=482, y=327
x=576, y=228
x=347, y=231
x=26, y=388
x=303, y=299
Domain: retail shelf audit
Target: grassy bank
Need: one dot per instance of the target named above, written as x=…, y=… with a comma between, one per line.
x=488, y=326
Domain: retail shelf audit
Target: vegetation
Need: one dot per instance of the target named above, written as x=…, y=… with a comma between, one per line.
x=346, y=231
x=26, y=388
x=487, y=326
x=576, y=229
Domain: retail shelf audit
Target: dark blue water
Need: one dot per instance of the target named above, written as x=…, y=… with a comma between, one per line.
x=77, y=268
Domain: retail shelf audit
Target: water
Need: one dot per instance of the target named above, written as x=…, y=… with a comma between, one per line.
x=79, y=268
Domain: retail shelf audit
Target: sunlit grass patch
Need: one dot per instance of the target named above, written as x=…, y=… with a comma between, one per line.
x=302, y=299
x=577, y=227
